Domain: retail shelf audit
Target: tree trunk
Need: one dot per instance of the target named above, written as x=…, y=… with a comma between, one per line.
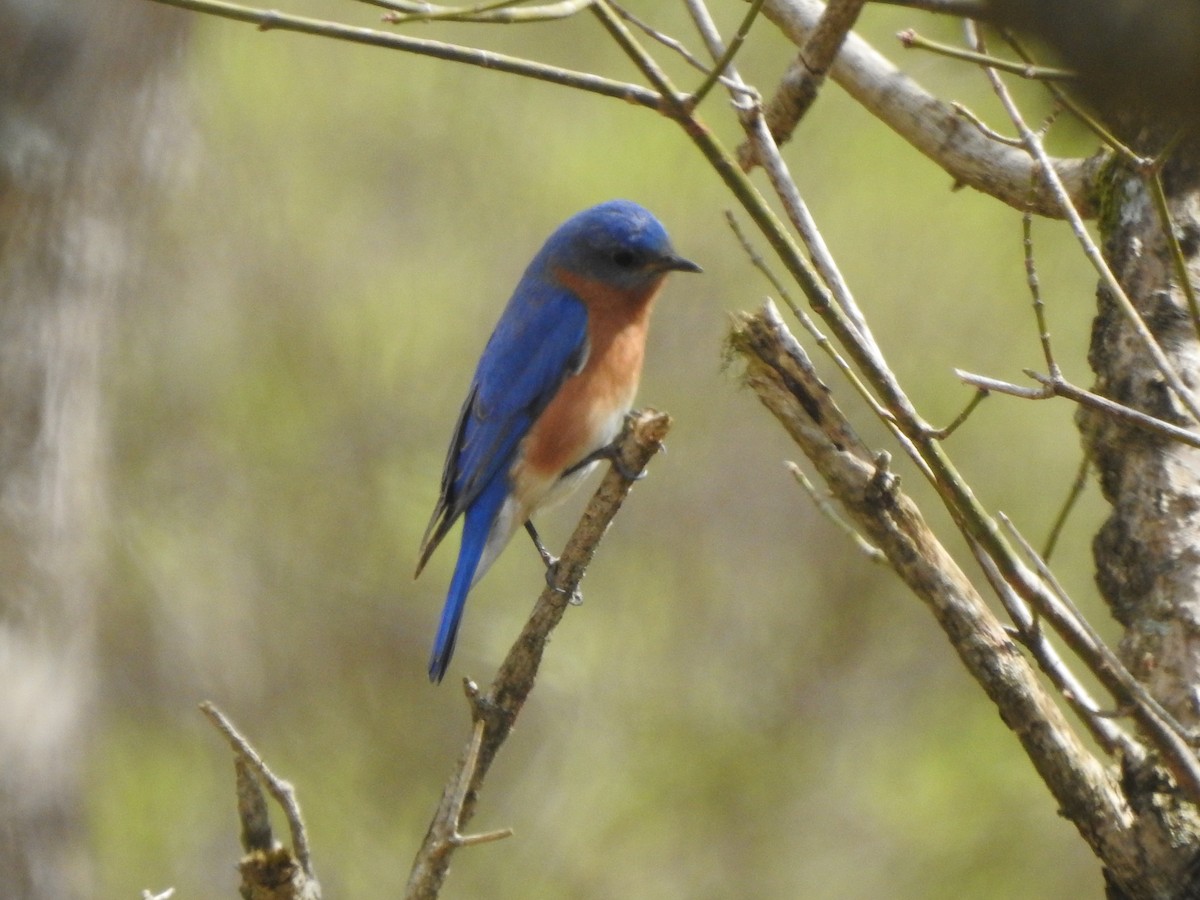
x=1147, y=553
x=76, y=97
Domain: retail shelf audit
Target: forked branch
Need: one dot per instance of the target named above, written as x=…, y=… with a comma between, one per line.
x=494, y=713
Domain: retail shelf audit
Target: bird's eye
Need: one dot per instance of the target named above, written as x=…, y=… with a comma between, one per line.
x=624, y=258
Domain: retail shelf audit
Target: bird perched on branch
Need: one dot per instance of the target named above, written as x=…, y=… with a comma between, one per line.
x=551, y=391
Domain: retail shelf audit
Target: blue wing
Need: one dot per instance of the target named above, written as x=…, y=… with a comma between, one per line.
x=539, y=342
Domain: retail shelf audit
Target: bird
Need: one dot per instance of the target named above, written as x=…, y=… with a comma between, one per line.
x=551, y=391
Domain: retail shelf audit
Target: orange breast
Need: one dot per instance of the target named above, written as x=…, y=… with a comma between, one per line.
x=588, y=410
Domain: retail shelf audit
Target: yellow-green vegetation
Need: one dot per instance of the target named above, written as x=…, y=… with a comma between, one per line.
x=743, y=706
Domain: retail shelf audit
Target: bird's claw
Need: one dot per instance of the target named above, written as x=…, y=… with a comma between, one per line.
x=575, y=598
x=610, y=452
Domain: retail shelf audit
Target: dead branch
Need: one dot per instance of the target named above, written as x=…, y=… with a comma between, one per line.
x=493, y=714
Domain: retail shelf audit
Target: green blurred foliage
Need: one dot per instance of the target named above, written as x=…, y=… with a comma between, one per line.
x=743, y=706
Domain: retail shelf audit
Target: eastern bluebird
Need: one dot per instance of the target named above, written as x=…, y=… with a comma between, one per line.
x=551, y=391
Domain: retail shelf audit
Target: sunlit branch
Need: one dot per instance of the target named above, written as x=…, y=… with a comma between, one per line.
x=931, y=126
x=1034, y=147
x=1058, y=387
x=506, y=12
x=268, y=20
x=495, y=712
x=798, y=88
x=910, y=40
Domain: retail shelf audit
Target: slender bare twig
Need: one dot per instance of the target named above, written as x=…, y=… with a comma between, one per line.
x=1029, y=632
x=985, y=129
x=984, y=383
x=671, y=43
x=978, y=397
x=1033, y=145
x=971, y=9
x=495, y=712
x=931, y=126
x=268, y=20
x=822, y=340
x=1158, y=195
x=282, y=791
x=910, y=40
x=766, y=150
x=1067, y=619
x=506, y=12
x=1073, y=495
x=724, y=61
x=1035, y=291
x=802, y=81
x=827, y=509
x=1051, y=387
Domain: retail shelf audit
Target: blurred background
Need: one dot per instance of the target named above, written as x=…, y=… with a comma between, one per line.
x=315, y=240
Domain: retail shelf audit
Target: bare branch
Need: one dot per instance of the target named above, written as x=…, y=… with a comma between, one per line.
x=1073, y=495
x=268, y=20
x=268, y=869
x=508, y=12
x=910, y=40
x=1059, y=387
x=779, y=372
x=827, y=509
x=932, y=127
x=1029, y=632
x=970, y=9
x=495, y=713
x=803, y=80
x=1033, y=145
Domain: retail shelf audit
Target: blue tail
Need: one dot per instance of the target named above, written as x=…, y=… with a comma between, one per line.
x=477, y=525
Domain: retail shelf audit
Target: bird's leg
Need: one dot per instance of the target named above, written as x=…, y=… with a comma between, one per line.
x=551, y=562
x=547, y=557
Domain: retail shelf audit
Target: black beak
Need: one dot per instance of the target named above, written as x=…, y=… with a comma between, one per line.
x=675, y=263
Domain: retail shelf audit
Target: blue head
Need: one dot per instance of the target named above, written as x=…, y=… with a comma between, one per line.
x=618, y=242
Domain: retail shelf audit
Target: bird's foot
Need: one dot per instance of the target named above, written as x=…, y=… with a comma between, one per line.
x=575, y=598
x=611, y=452
x=551, y=562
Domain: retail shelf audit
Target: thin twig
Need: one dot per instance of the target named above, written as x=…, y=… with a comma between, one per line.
x=723, y=62
x=1071, y=624
x=1033, y=637
x=827, y=509
x=669, y=42
x=268, y=20
x=1110, y=407
x=910, y=40
x=1073, y=495
x=984, y=383
x=1051, y=387
x=985, y=129
x=798, y=89
x=1158, y=195
x=978, y=397
x=506, y=12
x=827, y=346
x=1035, y=291
x=1034, y=147
x=282, y=791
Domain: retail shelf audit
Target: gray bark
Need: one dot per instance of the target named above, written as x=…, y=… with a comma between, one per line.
x=77, y=94
x=1147, y=553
